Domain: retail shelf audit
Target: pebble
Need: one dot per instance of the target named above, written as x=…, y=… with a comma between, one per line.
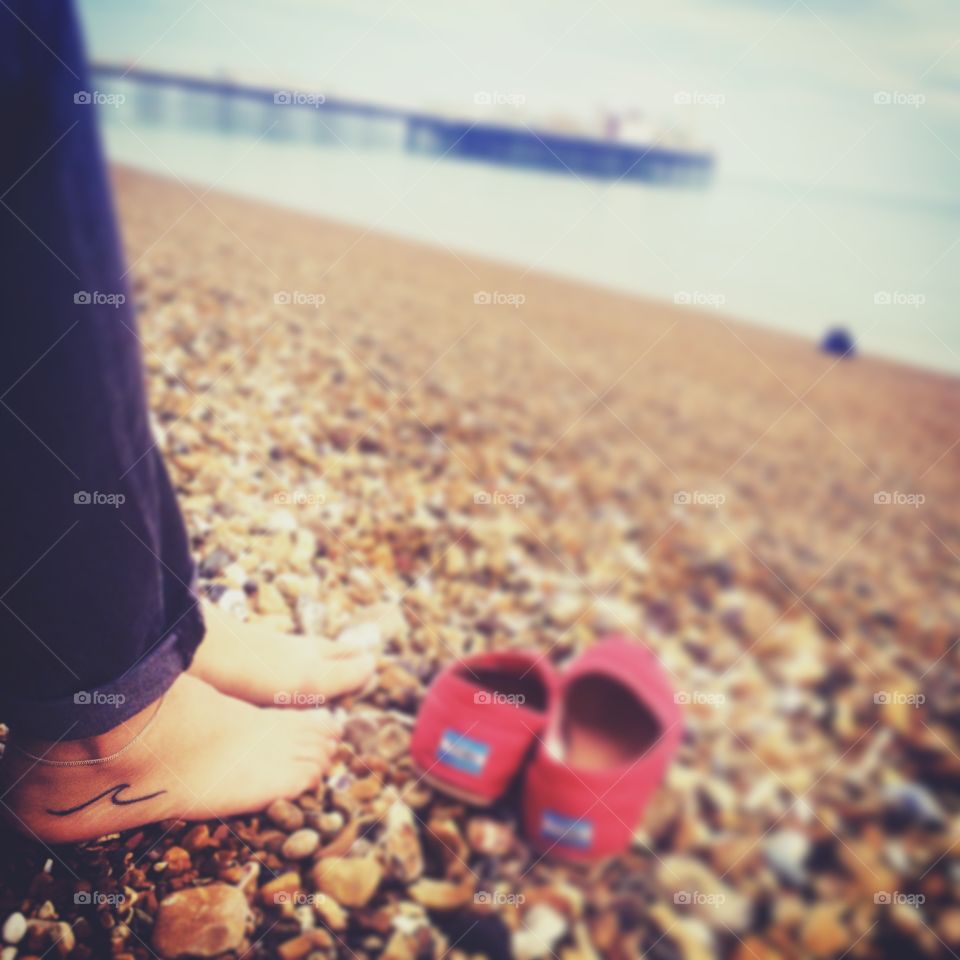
x=300, y=844
x=14, y=928
x=392, y=741
x=540, y=930
x=351, y=882
x=200, y=921
x=824, y=934
x=702, y=892
x=786, y=851
x=443, y=894
x=402, y=851
x=286, y=815
x=330, y=824
x=361, y=733
x=489, y=837
x=914, y=804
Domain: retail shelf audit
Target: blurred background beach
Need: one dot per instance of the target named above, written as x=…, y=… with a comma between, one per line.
x=427, y=356
x=835, y=199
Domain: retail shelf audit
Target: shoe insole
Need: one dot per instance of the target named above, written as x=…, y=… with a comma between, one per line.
x=525, y=688
x=605, y=725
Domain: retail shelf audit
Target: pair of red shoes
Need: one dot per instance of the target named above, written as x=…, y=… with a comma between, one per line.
x=601, y=734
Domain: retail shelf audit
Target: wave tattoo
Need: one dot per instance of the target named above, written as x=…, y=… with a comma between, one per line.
x=115, y=798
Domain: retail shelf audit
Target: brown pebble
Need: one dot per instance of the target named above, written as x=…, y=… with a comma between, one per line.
x=197, y=838
x=443, y=894
x=201, y=922
x=280, y=890
x=286, y=815
x=301, y=844
x=351, y=882
x=824, y=935
x=300, y=947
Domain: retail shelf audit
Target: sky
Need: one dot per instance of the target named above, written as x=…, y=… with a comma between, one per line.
x=859, y=95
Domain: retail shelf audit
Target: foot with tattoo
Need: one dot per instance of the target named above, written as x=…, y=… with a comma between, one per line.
x=196, y=754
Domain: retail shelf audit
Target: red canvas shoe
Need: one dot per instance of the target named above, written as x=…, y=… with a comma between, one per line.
x=612, y=731
x=478, y=720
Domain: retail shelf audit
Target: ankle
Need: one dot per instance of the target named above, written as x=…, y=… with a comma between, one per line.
x=87, y=748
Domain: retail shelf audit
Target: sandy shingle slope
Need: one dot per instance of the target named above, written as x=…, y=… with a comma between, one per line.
x=487, y=474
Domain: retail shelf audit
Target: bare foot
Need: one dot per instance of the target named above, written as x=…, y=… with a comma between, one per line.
x=204, y=755
x=276, y=669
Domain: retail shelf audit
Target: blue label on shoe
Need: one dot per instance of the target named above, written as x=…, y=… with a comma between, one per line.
x=565, y=830
x=460, y=751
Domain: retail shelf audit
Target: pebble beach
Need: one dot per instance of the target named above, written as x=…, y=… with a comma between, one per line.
x=372, y=435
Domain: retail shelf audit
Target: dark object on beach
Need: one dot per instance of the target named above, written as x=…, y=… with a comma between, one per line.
x=838, y=341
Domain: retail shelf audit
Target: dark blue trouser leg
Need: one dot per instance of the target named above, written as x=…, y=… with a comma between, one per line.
x=97, y=617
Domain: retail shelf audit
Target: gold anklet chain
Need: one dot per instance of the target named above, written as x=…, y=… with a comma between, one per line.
x=94, y=760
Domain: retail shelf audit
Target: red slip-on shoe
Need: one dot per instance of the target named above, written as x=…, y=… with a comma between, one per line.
x=612, y=731
x=477, y=721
